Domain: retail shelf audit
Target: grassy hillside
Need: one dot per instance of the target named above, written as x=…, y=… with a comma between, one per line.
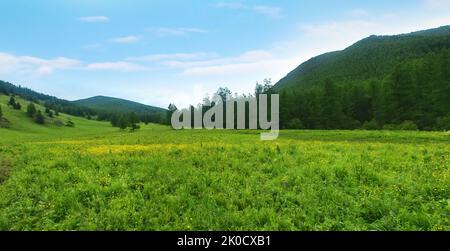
x=23, y=127
x=102, y=108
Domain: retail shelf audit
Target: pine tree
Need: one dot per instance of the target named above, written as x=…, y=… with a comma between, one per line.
x=31, y=110
x=133, y=121
x=1, y=112
x=115, y=121
x=122, y=123
x=12, y=102
x=17, y=106
x=39, y=118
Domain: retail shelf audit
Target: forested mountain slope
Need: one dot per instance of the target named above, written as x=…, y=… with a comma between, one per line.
x=112, y=105
x=391, y=82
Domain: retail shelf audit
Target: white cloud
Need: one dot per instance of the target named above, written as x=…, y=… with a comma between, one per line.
x=264, y=67
x=177, y=31
x=269, y=11
x=346, y=32
x=93, y=19
x=125, y=40
x=174, y=56
x=119, y=66
x=228, y=5
x=251, y=63
x=247, y=57
x=12, y=64
x=437, y=4
x=358, y=13
x=273, y=12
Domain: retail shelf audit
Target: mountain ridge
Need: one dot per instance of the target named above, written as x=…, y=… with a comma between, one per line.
x=110, y=105
x=103, y=107
x=340, y=64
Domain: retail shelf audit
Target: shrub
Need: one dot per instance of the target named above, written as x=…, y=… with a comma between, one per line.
x=70, y=124
x=408, y=126
x=370, y=125
x=390, y=127
x=31, y=110
x=39, y=118
x=443, y=123
x=352, y=124
x=4, y=123
x=58, y=122
x=135, y=127
x=295, y=123
x=5, y=169
x=17, y=106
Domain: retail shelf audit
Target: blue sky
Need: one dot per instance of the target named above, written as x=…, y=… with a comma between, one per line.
x=157, y=52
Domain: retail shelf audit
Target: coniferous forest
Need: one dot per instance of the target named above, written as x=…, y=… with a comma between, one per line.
x=392, y=82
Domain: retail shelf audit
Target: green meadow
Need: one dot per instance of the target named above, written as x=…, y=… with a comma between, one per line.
x=95, y=177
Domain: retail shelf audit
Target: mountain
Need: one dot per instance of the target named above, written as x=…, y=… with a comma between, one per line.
x=52, y=102
x=389, y=82
x=373, y=57
x=115, y=105
x=104, y=108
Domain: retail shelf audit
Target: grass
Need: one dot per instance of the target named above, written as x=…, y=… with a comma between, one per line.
x=94, y=177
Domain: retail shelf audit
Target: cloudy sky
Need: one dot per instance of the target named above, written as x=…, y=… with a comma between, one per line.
x=162, y=51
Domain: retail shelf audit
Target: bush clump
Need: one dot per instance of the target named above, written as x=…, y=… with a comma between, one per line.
x=370, y=125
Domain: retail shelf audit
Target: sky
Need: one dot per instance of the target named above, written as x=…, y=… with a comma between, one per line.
x=178, y=51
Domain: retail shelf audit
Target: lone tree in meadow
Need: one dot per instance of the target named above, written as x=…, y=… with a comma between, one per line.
x=40, y=119
x=31, y=110
x=1, y=112
x=122, y=122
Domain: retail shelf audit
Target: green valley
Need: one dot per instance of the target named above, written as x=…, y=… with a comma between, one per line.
x=96, y=177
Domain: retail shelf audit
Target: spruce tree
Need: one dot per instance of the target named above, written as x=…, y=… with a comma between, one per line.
x=31, y=110
x=17, y=106
x=122, y=123
x=12, y=102
x=39, y=118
